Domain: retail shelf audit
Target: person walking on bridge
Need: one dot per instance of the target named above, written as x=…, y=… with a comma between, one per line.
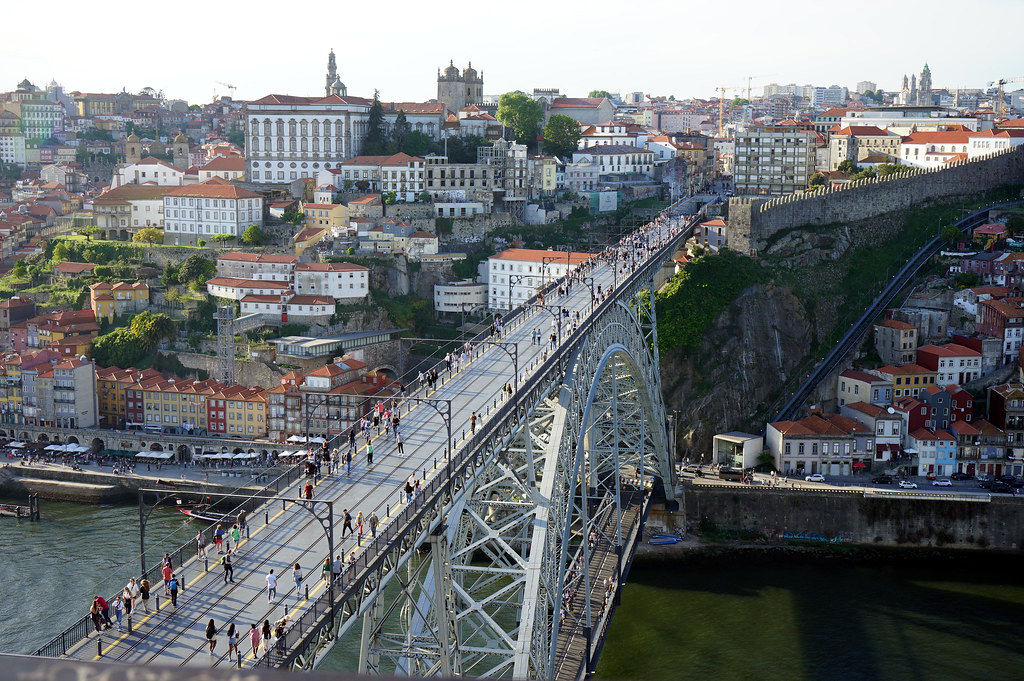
x=200, y=544
x=236, y=536
x=297, y=578
x=166, y=572
x=398, y=441
x=144, y=594
x=348, y=522
x=374, y=521
x=271, y=586
x=307, y=491
x=369, y=453
x=211, y=636
x=254, y=639
x=472, y=423
x=173, y=587
x=229, y=568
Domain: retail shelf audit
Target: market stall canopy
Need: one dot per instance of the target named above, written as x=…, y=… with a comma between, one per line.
x=155, y=455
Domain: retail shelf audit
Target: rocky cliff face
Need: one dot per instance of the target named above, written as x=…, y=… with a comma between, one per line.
x=750, y=351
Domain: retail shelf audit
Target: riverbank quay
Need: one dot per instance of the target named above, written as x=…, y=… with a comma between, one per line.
x=92, y=485
x=848, y=516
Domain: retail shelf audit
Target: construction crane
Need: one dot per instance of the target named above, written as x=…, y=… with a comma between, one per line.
x=721, y=105
x=1000, y=108
x=228, y=86
x=750, y=80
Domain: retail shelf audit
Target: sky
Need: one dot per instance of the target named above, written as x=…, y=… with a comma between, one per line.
x=662, y=47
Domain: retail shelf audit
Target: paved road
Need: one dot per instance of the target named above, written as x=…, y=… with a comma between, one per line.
x=175, y=636
x=847, y=483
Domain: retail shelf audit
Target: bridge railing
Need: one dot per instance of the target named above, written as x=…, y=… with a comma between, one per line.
x=297, y=639
x=61, y=643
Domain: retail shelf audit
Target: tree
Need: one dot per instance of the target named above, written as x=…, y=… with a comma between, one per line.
x=237, y=137
x=390, y=198
x=98, y=134
x=88, y=232
x=1015, y=224
x=816, y=180
x=600, y=93
x=375, y=143
x=418, y=144
x=149, y=235
x=966, y=279
x=463, y=150
x=20, y=271
x=520, y=113
x=561, y=135
x=151, y=327
x=254, y=236
x=848, y=166
x=119, y=348
x=951, y=234
x=423, y=197
x=399, y=133
x=196, y=268
x=738, y=101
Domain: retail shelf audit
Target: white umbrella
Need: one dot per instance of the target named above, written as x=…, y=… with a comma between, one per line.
x=296, y=438
x=54, y=448
x=16, y=445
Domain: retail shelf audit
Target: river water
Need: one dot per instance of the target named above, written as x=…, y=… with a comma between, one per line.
x=49, y=570
x=934, y=619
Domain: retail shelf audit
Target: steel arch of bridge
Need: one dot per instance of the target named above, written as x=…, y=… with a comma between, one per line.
x=486, y=599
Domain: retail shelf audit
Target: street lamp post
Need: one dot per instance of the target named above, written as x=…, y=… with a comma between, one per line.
x=589, y=281
x=557, y=311
x=544, y=267
x=513, y=279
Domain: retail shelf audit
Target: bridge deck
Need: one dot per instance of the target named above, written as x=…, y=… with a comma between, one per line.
x=175, y=635
x=573, y=649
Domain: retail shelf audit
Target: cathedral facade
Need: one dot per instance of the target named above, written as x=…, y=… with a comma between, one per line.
x=458, y=90
x=917, y=91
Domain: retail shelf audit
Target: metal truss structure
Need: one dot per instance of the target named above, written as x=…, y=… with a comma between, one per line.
x=482, y=582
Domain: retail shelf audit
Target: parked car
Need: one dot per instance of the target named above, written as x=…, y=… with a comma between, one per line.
x=815, y=477
x=999, y=487
x=883, y=480
x=941, y=482
x=906, y=484
x=960, y=476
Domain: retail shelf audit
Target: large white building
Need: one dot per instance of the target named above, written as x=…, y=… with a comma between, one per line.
x=149, y=170
x=344, y=280
x=399, y=173
x=460, y=296
x=288, y=137
x=617, y=158
x=236, y=288
x=198, y=211
x=515, y=275
x=264, y=266
x=907, y=119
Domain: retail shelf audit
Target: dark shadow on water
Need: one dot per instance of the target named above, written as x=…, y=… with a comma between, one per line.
x=822, y=621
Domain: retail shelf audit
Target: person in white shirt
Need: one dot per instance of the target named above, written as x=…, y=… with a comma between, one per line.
x=271, y=586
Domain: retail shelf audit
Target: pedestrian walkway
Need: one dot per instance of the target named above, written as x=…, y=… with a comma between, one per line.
x=280, y=537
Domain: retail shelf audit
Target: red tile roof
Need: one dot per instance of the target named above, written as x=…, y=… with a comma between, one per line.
x=400, y=159
x=248, y=283
x=896, y=324
x=241, y=256
x=330, y=267
x=226, y=163
x=214, y=188
x=532, y=255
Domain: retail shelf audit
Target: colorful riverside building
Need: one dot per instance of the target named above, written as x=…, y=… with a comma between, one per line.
x=200, y=407
x=325, y=402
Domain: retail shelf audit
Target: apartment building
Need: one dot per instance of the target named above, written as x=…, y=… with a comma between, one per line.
x=773, y=160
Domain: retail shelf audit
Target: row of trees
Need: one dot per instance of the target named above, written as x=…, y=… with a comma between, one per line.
x=401, y=138
x=560, y=135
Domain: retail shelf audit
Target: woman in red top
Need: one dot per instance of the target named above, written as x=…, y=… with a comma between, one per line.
x=166, y=571
x=307, y=491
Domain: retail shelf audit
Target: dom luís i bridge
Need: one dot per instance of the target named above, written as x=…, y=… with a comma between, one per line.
x=531, y=461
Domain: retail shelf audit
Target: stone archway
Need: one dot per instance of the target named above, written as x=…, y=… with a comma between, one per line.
x=43, y=437
x=25, y=437
x=72, y=439
x=156, y=447
x=97, y=445
x=3, y=433
x=183, y=453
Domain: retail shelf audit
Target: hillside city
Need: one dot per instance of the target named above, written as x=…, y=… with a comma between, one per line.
x=247, y=269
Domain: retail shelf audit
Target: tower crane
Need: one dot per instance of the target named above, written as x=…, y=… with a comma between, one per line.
x=1000, y=108
x=721, y=104
x=228, y=86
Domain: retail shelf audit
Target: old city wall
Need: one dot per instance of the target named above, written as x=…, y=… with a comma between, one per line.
x=753, y=222
x=996, y=524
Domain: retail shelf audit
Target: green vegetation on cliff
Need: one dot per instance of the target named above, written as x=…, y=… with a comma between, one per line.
x=691, y=301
